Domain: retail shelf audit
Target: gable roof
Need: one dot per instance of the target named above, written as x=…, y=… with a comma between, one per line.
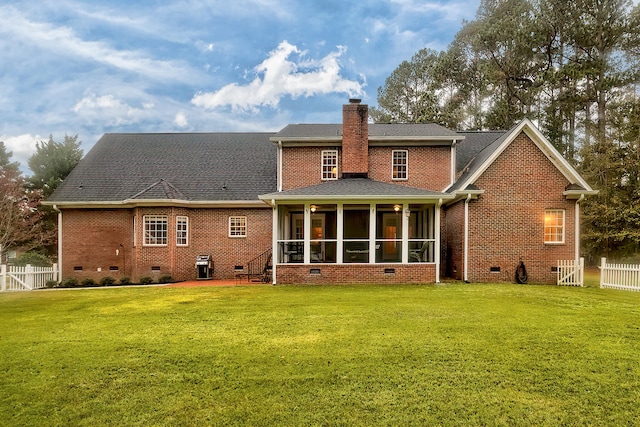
x=472, y=145
x=355, y=189
x=485, y=157
x=134, y=168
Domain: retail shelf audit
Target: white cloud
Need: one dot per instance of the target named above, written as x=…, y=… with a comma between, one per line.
x=181, y=120
x=107, y=109
x=22, y=146
x=65, y=43
x=279, y=76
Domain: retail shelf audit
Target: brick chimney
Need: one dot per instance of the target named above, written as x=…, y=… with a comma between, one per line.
x=355, y=139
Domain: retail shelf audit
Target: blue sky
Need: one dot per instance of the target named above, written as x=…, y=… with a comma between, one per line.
x=91, y=67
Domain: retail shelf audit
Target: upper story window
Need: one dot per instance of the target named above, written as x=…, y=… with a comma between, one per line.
x=554, y=226
x=155, y=230
x=329, y=164
x=400, y=161
x=237, y=226
x=182, y=231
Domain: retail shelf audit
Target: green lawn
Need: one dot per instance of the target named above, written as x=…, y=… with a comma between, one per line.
x=284, y=356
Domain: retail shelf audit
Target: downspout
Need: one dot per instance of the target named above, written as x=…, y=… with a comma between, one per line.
x=439, y=237
x=279, y=171
x=55, y=208
x=466, y=239
x=576, y=235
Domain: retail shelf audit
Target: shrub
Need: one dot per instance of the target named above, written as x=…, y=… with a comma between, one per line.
x=88, y=282
x=51, y=283
x=69, y=283
x=166, y=279
x=107, y=281
x=32, y=258
x=125, y=281
x=146, y=280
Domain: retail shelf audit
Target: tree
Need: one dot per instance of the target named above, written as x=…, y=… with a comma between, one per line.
x=52, y=162
x=409, y=93
x=20, y=221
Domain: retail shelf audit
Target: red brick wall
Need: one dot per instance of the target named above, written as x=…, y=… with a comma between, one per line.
x=356, y=274
x=453, y=241
x=428, y=167
x=91, y=238
x=302, y=166
x=507, y=221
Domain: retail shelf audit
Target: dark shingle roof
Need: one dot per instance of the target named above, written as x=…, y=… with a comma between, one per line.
x=354, y=187
x=183, y=166
x=473, y=143
x=334, y=131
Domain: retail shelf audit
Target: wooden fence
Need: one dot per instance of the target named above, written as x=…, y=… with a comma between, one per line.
x=571, y=272
x=27, y=278
x=619, y=276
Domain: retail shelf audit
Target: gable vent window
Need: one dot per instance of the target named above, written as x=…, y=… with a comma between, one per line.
x=329, y=165
x=155, y=230
x=400, y=162
x=237, y=226
x=554, y=226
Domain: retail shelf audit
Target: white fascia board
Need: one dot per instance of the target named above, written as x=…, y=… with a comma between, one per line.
x=463, y=194
x=131, y=203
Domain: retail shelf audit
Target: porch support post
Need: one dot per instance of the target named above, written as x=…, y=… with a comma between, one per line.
x=405, y=233
x=59, y=278
x=275, y=252
x=466, y=239
x=437, y=243
x=576, y=233
x=307, y=233
x=339, y=233
x=372, y=233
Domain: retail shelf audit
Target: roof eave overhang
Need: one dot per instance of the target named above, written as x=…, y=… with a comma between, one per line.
x=130, y=203
x=577, y=194
x=465, y=194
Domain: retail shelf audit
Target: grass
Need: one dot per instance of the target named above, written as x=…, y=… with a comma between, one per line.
x=503, y=355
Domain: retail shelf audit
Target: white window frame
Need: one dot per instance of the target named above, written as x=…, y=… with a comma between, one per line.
x=329, y=163
x=399, y=165
x=555, y=229
x=237, y=226
x=147, y=239
x=182, y=233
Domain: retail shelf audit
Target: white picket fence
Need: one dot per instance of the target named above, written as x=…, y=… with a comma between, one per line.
x=27, y=278
x=619, y=276
x=571, y=272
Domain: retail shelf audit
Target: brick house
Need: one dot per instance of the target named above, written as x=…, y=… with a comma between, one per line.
x=323, y=203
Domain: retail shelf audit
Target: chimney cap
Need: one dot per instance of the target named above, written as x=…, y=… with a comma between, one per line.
x=354, y=100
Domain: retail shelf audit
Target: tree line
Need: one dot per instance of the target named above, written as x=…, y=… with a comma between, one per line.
x=25, y=224
x=571, y=67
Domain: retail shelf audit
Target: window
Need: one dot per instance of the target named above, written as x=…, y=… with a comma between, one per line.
x=182, y=231
x=329, y=164
x=400, y=164
x=237, y=226
x=155, y=230
x=554, y=226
